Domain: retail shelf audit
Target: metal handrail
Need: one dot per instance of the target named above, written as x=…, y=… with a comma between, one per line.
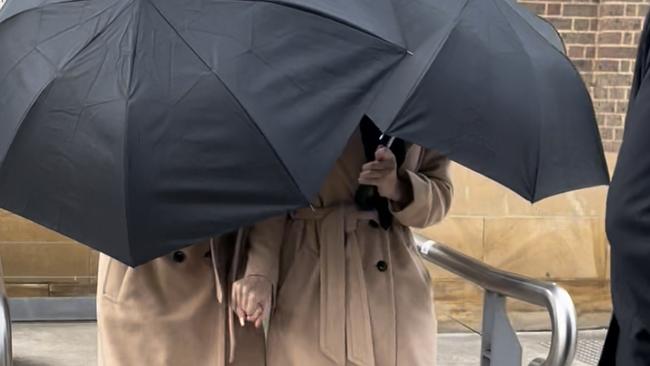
x=549, y=295
x=5, y=325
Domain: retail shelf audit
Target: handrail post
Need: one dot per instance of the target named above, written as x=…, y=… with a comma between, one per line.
x=5, y=325
x=499, y=343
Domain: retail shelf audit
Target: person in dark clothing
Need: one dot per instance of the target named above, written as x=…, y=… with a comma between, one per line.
x=628, y=227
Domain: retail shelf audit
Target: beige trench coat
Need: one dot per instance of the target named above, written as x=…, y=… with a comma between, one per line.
x=349, y=292
x=173, y=311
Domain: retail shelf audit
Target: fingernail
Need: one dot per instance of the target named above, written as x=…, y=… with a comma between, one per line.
x=241, y=321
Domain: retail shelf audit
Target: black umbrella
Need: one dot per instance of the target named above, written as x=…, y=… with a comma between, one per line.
x=141, y=126
x=489, y=85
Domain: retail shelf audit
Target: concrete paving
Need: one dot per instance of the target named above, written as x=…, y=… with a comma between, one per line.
x=55, y=344
x=75, y=344
x=462, y=349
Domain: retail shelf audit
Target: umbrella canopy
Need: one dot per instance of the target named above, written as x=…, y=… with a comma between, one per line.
x=141, y=126
x=489, y=85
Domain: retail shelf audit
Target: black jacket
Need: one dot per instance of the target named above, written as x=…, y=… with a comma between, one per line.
x=628, y=227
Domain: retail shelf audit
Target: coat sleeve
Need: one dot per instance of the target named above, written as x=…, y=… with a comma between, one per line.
x=432, y=192
x=264, y=244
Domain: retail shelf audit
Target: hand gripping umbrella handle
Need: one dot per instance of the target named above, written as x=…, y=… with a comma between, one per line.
x=365, y=193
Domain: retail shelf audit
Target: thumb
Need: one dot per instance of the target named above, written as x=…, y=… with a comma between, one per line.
x=381, y=153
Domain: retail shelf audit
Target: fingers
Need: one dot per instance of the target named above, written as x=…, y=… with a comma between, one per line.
x=259, y=322
x=372, y=175
x=256, y=314
x=260, y=314
x=236, y=302
x=251, y=300
x=375, y=172
x=371, y=182
x=374, y=178
x=379, y=165
x=263, y=313
x=384, y=154
x=242, y=316
x=247, y=304
x=251, y=303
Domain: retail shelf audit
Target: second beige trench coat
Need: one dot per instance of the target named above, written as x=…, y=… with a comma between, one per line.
x=174, y=310
x=348, y=291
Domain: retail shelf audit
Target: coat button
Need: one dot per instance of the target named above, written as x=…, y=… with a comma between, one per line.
x=179, y=256
x=382, y=266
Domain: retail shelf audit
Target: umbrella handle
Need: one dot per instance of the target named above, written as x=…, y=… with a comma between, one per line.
x=365, y=196
x=390, y=140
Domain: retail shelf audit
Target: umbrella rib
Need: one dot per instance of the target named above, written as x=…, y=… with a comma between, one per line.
x=92, y=17
x=435, y=53
x=40, y=92
x=6, y=9
x=541, y=110
x=401, y=32
x=512, y=6
x=333, y=18
x=47, y=39
x=125, y=165
x=38, y=7
x=249, y=117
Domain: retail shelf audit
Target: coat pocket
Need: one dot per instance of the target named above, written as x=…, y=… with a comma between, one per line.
x=113, y=280
x=418, y=262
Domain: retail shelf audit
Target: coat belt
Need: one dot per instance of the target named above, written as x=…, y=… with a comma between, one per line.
x=343, y=287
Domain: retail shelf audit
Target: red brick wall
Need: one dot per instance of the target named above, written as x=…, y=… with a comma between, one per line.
x=601, y=38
